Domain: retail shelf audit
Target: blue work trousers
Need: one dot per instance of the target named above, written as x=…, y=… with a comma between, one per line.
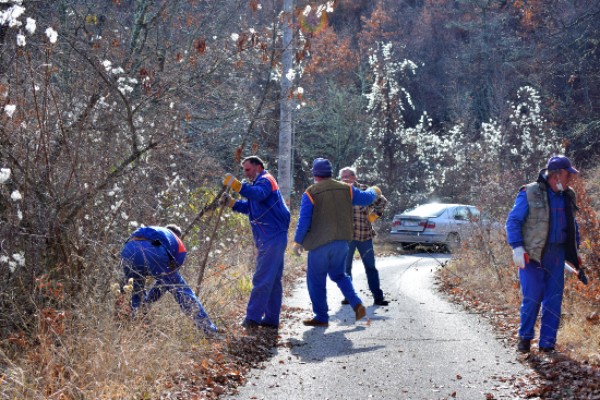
x=329, y=259
x=367, y=255
x=542, y=286
x=141, y=259
x=264, y=305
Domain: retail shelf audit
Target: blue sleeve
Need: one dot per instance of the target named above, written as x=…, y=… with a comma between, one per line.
x=241, y=206
x=516, y=219
x=363, y=197
x=259, y=191
x=305, y=219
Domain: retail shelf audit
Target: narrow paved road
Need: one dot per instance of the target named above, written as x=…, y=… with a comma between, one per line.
x=418, y=347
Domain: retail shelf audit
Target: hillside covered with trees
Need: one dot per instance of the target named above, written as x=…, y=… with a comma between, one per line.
x=119, y=113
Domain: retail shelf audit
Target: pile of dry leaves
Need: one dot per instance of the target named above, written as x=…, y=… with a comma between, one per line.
x=224, y=370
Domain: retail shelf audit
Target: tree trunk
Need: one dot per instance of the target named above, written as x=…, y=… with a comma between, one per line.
x=286, y=101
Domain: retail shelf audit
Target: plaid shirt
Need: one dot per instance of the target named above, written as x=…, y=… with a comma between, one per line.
x=363, y=229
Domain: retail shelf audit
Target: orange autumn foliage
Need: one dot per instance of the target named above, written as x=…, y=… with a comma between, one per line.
x=377, y=28
x=589, y=231
x=531, y=12
x=332, y=55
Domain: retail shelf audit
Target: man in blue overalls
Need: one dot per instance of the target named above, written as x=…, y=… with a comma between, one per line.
x=159, y=252
x=324, y=228
x=542, y=230
x=270, y=220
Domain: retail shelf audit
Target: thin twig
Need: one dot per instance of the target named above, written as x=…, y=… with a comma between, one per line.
x=210, y=240
x=208, y=207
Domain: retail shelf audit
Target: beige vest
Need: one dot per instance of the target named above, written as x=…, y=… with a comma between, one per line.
x=332, y=213
x=537, y=224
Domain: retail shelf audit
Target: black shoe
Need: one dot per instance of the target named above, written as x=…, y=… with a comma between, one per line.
x=269, y=326
x=248, y=324
x=547, y=349
x=345, y=301
x=381, y=302
x=524, y=345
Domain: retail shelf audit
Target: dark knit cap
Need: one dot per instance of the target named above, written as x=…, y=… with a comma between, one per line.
x=322, y=168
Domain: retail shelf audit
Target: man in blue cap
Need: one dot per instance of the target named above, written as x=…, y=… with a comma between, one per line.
x=159, y=252
x=325, y=227
x=270, y=220
x=543, y=233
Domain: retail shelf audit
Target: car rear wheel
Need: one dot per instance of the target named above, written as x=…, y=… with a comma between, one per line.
x=453, y=242
x=408, y=246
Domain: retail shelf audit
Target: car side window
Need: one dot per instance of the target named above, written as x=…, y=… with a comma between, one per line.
x=461, y=214
x=474, y=214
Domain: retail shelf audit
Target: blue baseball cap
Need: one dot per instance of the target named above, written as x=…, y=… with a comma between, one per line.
x=560, y=162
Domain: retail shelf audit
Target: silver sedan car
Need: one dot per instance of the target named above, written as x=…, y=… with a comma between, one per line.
x=435, y=224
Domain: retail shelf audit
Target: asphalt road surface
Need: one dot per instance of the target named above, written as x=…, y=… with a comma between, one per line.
x=419, y=347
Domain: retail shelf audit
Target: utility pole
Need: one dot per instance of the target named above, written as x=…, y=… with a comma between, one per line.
x=285, y=105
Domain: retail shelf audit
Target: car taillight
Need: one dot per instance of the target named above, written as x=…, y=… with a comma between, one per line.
x=427, y=225
x=396, y=223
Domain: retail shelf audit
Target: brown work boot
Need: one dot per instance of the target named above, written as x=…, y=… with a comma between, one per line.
x=314, y=322
x=360, y=311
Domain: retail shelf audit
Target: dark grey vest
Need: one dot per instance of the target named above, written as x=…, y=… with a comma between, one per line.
x=332, y=217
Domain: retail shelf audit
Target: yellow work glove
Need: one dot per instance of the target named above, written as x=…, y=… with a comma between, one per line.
x=226, y=200
x=298, y=249
x=373, y=217
x=233, y=183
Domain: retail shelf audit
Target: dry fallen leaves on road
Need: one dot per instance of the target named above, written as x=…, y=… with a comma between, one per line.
x=555, y=376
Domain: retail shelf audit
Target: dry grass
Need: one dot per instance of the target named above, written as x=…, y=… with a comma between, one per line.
x=580, y=337
x=95, y=351
x=97, y=354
